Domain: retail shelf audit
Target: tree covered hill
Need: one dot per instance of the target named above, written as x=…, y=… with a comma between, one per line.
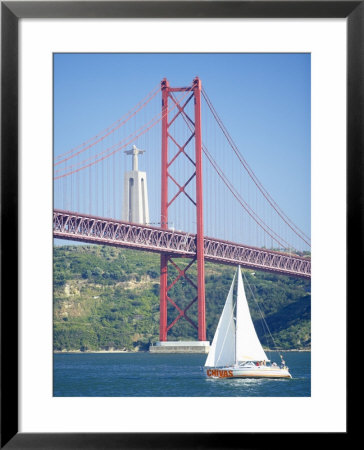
x=108, y=298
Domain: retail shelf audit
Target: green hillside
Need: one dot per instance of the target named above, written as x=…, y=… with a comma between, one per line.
x=108, y=298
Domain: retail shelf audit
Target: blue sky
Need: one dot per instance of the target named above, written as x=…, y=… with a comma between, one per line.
x=264, y=101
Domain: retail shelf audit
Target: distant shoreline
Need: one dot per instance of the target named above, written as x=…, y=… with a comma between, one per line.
x=96, y=351
x=146, y=351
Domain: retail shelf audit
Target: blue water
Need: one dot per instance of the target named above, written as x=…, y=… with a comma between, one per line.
x=170, y=375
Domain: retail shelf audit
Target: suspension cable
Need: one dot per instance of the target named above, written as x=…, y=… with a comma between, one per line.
x=242, y=202
x=156, y=119
x=140, y=105
x=252, y=175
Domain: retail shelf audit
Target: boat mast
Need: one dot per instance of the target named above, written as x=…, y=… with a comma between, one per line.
x=236, y=313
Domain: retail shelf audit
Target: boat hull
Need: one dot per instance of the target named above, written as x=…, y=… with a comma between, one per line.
x=249, y=372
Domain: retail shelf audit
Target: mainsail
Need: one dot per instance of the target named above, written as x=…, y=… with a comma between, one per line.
x=222, y=350
x=248, y=346
x=235, y=342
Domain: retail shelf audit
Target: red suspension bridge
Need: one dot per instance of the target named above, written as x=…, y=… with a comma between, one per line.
x=200, y=186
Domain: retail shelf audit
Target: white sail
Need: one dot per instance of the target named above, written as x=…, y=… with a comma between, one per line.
x=222, y=350
x=248, y=346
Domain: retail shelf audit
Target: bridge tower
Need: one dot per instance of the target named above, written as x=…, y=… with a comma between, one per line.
x=194, y=127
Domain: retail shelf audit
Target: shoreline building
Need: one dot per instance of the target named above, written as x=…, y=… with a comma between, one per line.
x=135, y=205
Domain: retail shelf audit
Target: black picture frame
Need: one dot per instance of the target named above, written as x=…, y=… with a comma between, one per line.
x=11, y=12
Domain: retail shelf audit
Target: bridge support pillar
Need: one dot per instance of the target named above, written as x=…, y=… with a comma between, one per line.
x=163, y=298
x=199, y=214
x=192, y=92
x=180, y=347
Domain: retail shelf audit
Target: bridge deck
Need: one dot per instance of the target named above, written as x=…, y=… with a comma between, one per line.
x=99, y=230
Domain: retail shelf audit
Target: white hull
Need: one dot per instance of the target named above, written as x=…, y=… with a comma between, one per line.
x=247, y=372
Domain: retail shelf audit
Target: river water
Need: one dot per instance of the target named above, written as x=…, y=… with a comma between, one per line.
x=170, y=375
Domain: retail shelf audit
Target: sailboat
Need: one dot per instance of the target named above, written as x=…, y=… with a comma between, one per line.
x=236, y=351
